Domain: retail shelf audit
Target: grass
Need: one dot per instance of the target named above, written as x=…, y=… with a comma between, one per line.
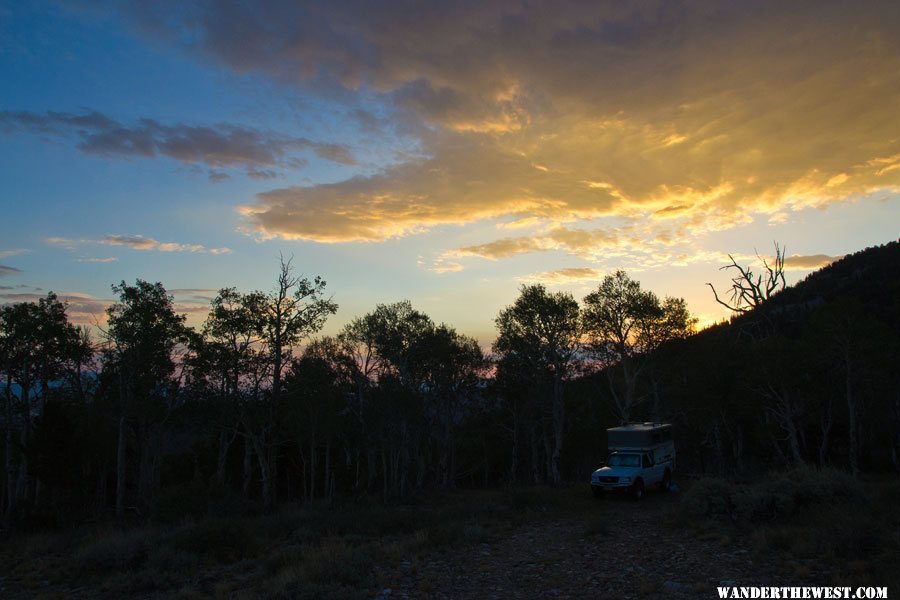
x=812, y=523
x=316, y=550
x=822, y=526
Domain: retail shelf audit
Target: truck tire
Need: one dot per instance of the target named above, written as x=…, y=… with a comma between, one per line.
x=666, y=482
x=637, y=490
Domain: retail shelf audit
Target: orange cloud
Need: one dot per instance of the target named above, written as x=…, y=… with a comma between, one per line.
x=685, y=121
x=565, y=276
x=809, y=263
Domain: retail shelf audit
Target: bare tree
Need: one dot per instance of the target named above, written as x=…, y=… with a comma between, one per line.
x=748, y=289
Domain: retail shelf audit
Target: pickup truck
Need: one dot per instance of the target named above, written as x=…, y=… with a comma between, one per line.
x=640, y=456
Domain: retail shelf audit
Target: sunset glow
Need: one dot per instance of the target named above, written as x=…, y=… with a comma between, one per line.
x=444, y=154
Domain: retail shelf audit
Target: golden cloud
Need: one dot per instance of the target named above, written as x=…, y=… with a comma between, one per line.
x=809, y=263
x=685, y=120
x=565, y=276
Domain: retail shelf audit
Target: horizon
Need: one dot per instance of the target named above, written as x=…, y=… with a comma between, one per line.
x=446, y=155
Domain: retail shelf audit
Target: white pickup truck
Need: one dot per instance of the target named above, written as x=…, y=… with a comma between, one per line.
x=640, y=455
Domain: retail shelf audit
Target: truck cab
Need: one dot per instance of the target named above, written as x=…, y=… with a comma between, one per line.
x=640, y=456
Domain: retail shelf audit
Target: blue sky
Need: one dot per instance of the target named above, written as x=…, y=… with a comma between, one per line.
x=446, y=154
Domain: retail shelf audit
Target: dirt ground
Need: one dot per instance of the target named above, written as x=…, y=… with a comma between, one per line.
x=625, y=550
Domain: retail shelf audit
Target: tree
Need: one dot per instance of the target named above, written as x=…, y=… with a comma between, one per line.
x=224, y=359
x=542, y=331
x=448, y=367
x=317, y=387
x=143, y=335
x=625, y=325
x=295, y=310
x=750, y=290
x=396, y=412
x=38, y=345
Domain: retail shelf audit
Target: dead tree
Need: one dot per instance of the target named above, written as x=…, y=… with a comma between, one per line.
x=750, y=290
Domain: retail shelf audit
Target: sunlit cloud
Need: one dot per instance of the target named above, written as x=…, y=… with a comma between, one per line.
x=808, y=263
x=81, y=309
x=135, y=242
x=86, y=309
x=698, y=118
x=565, y=276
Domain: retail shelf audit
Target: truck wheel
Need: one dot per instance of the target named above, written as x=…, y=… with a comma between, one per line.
x=637, y=490
x=666, y=483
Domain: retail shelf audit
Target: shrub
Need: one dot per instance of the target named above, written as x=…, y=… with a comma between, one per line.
x=114, y=551
x=709, y=498
x=775, y=497
x=222, y=539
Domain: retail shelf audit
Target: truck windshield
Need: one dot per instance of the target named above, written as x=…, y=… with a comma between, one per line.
x=625, y=460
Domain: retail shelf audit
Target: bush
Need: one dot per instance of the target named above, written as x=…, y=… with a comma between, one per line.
x=222, y=539
x=709, y=498
x=114, y=551
x=777, y=496
x=335, y=562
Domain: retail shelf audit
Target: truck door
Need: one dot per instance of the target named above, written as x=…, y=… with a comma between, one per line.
x=650, y=470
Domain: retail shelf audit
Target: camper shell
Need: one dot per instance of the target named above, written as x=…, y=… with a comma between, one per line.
x=654, y=438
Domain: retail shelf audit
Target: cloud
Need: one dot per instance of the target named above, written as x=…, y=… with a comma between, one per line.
x=107, y=259
x=86, y=309
x=220, y=146
x=135, y=242
x=679, y=118
x=138, y=242
x=81, y=309
x=5, y=271
x=13, y=252
x=799, y=262
x=690, y=118
x=68, y=244
x=565, y=276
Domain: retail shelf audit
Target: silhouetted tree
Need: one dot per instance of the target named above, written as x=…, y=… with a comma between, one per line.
x=750, y=290
x=542, y=330
x=625, y=325
x=38, y=345
x=143, y=335
x=292, y=312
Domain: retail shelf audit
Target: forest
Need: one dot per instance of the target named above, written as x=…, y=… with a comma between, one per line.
x=145, y=418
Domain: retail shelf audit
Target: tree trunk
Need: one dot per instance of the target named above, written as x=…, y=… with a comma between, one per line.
x=328, y=477
x=826, y=433
x=265, y=473
x=514, y=458
x=248, y=467
x=535, y=456
x=559, y=420
x=120, y=468
x=312, y=467
x=10, y=463
x=852, y=413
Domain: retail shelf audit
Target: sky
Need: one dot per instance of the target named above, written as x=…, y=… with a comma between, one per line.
x=442, y=152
